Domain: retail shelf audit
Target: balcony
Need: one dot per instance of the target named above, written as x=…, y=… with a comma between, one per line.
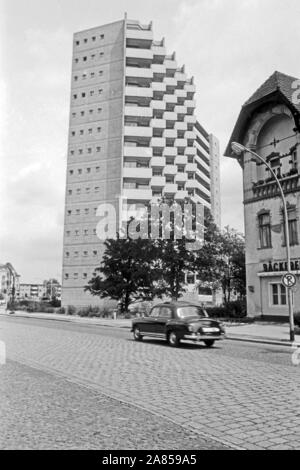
x=158, y=181
x=170, y=64
x=170, y=188
x=158, y=162
x=190, y=184
x=170, y=133
x=137, y=53
x=158, y=104
x=191, y=167
x=170, y=152
x=140, y=152
x=138, y=92
x=269, y=188
x=170, y=116
x=158, y=86
x=137, y=172
x=180, y=109
x=180, y=126
x=159, y=69
x=191, y=119
x=170, y=99
x=190, y=135
x=138, y=111
x=189, y=87
x=181, y=160
x=170, y=81
x=139, y=72
x=181, y=177
x=139, y=34
x=159, y=51
x=191, y=151
x=137, y=131
x=180, y=76
x=181, y=195
x=142, y=194
x=170, y=170
x=158, y=123
x=190, y=104
x=180, y=93
x=180, y=143
x=158, y=142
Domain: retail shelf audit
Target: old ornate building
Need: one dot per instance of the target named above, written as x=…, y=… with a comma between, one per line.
x=269, y=124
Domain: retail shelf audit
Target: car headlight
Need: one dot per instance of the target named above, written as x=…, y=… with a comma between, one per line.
x=191, y=328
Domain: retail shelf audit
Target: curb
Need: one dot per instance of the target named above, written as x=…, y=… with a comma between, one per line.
x=248, y=339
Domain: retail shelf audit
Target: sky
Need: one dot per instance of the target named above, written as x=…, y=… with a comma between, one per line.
x=230, y=47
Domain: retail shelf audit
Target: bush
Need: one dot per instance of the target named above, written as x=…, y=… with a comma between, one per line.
x=55, y=302
x=61, y=310
x=231, y=310
x=99, y=312
x=71, y=310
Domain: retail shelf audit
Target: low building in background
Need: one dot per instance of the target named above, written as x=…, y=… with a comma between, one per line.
x=9, y=283
x=269, y=124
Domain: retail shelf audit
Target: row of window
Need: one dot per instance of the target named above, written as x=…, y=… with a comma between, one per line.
x=88, y=150
x=85, y=253
x=75, y=276
x=82, y=132
x=87, y=170
x=85, y=211
x=87, y=191
x=82, y=113
x=84, y=94
x=265, y=232
x=85, y=232
x=86, y=40
x=92, y=57
x=92, y=75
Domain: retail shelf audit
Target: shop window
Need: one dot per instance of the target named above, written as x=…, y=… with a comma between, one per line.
x=278, y=294
x=264, y=226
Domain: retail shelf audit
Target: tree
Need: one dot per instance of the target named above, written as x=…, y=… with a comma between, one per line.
x=221, y=260
x=127, y=273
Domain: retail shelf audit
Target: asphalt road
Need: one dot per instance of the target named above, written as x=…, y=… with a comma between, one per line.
x=69, y=385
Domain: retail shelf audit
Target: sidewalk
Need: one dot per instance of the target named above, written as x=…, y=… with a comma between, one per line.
x=268, y=333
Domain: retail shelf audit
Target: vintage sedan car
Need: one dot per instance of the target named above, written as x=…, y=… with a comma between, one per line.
x=177, y=321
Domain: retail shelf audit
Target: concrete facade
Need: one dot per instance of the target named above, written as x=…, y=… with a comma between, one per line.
x=269, y=125
x=133, y=139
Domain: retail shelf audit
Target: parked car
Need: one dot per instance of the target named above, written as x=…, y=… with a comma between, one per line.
x=177, y=321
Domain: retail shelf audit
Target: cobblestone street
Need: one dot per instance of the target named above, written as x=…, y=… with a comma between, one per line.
x=244, y=396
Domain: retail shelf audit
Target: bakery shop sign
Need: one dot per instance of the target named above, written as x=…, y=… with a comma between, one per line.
x=274, y=266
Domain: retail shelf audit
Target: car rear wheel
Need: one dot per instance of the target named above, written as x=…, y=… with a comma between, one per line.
x=173, y=339
x=209, y=343
x=137, y=334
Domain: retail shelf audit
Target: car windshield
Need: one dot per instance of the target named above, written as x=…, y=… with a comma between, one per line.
x=191, y=311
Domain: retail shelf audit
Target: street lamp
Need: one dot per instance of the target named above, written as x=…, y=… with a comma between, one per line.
x=238, y=149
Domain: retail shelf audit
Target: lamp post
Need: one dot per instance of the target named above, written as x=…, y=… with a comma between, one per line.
x=238, y=149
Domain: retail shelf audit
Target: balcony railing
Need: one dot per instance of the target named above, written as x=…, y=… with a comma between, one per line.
x=269, y=188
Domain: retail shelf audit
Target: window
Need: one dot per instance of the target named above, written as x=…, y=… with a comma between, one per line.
x=77, y=43
x=100, y=91
x=88, y=170
x=190, y=279
x=70, y=192
x=79, y=171
x=98, y=129
x=67, y=254
x=98, y=149
x=84, y=275
x=97, y=169
x=71, y=172
x=85, y=253
x=76, y=233
x=92, y=74
x=93, y=56
x=76, y=61
x=101, y=36
x=99, y=110
x=94, y=38
x=96, y=189
x=293, y=230
x=71, y=152
x=85, y=40
x=78, y=190
x=66, y=276
x=69, y=212
x=73, y=115
x=82, y=113
x=68, y=233
x=90, y=131
x=83, y=95
x=95, y=253
x=278, y=294
x=92, y=92
x=76, y=254
x=154, y=312
x=86, y=211
x=91, y=111
x=89, y=150
x=75, y=275
x=84, y=59
x=75, y=78
x=80, y=151
x=100, y=73
x=81, y=131
x=77, y=211
x=264, y=226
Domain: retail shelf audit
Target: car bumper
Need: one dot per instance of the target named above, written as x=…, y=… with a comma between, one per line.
x=197, y=337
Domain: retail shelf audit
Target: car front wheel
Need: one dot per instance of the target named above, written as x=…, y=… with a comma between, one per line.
x=209, y=343
x=137, y=334
x=173, y=339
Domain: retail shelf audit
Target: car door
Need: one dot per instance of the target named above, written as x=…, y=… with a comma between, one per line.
x=149, y=323
x=165, y=314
